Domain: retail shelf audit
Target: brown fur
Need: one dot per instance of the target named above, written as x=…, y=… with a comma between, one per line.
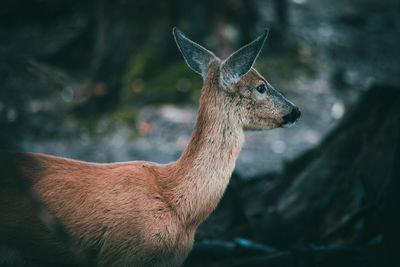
x=140, y=213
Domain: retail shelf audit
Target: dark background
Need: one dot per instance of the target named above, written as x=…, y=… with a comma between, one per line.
x=103, y=81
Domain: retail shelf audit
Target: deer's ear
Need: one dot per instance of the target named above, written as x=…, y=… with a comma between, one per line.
x=241, y=61
x=196, y=56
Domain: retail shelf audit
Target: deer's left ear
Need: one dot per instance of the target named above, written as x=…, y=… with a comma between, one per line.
x=241, y=61
x=196, y=56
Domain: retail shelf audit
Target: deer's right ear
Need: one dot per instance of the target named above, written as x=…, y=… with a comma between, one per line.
x=196, y=56
x=240, y=62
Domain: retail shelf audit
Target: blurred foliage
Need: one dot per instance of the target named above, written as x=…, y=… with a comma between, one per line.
x=173, y=84
x=95, y=57
x=285, y=53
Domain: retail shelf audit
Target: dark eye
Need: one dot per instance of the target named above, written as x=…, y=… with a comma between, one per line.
x=261, y=88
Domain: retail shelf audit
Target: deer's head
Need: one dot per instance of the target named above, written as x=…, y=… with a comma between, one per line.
x=256, y=105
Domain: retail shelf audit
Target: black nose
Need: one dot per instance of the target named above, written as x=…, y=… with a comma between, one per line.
x=292, y=116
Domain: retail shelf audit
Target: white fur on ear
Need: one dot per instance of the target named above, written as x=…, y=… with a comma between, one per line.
x=241, y=61
x=227, y=79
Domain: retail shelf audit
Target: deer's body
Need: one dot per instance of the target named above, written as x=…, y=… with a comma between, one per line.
x=141, y=213
x=118, y=209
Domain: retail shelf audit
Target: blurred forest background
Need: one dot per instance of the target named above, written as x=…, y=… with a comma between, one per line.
x=103, y=81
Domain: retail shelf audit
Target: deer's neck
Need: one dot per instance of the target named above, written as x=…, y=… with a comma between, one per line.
x=205, y=167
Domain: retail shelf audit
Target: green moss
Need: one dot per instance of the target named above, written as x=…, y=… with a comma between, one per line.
x=175, y=83
x=88, y=121
x=124, y=115
x=136, y=67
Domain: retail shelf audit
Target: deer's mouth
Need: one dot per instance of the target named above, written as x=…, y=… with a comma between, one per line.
x=288, y=124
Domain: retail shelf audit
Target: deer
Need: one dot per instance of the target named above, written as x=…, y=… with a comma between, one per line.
x=140, y=213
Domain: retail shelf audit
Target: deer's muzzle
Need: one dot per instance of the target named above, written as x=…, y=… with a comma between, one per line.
x=292, y=116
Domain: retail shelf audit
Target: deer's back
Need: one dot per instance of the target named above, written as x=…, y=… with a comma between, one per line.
x=117, y=210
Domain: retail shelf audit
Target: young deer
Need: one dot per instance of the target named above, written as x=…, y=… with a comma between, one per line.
x=142, y=213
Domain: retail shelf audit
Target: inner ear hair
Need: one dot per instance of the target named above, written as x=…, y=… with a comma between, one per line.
x=196, y=56
x=241, y=62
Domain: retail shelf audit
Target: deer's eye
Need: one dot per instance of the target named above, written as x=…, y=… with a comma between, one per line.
x=261, y=88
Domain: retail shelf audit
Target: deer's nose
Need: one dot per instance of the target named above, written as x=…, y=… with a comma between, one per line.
x=292, y=116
